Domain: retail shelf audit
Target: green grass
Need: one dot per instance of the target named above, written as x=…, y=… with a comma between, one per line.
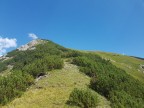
x=130, y=64
x=53, y=91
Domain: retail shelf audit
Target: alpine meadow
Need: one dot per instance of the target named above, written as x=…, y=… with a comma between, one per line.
x=43, y=74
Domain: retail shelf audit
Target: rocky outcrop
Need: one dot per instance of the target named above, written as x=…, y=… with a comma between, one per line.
x=31, y=45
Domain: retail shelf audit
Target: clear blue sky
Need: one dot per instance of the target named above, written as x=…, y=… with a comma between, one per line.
x=106, y=25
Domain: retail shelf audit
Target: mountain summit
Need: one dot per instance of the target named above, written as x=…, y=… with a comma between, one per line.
x=31, y=45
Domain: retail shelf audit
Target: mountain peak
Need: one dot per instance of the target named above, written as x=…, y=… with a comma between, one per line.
x=31, y=45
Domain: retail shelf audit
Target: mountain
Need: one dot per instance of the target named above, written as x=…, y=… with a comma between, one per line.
x=43, y=74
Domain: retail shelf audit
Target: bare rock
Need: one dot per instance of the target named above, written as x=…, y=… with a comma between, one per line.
x=31, y=45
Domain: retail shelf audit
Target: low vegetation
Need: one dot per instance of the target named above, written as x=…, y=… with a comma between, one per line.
x=130, y=64
x=28, y=65
x=112, y=82
x=14, y=85
x=53, y=91
x=83, y=98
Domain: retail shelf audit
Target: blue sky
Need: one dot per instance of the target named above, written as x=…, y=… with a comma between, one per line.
x=105, y=25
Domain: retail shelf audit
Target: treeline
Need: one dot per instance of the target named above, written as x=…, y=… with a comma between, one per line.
x=28, y=65
x=114, y=83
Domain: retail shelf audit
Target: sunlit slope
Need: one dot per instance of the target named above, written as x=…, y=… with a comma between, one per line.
x=47, y=70
x=130, y=64
x=53, y=90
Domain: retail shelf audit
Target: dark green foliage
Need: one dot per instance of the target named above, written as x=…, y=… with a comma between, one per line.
x=13, y=85
x=121, y=99
x=41, y=66
x=72, y=53
x=28, y=65
x=22, y=58
x=83, y=98
x=3, y=66
x=109, y=81
x=12, y=53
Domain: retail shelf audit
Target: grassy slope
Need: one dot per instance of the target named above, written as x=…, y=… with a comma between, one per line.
x=54, y=90
x=129, y=64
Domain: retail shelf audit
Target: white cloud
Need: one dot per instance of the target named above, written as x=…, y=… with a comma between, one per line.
x=6, y=43
x=33, y=36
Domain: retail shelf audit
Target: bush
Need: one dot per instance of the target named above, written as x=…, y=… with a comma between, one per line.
x=71, y=53
x=83, y=98
x=14, y=85
x=121, y=99
x=108, y=80
x=41, y=66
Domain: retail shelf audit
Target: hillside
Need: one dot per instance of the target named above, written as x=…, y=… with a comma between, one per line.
x=45, y=74
x=53, y=91
x=131, y=65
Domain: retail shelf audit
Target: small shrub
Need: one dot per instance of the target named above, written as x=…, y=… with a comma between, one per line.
x=14, y=85
x=83, y=98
